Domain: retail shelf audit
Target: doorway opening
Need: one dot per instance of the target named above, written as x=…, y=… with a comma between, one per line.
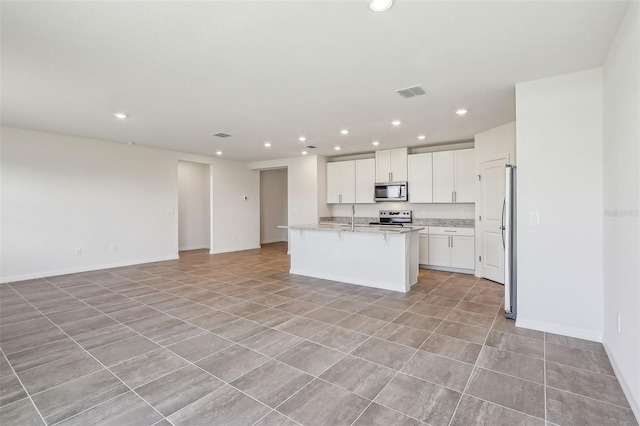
x=194, y=207
x=273, y=206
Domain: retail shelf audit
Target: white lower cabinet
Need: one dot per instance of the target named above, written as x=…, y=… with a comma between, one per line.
x=451, y=247
x=423, y=248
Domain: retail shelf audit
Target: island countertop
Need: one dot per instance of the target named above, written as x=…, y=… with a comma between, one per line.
x=358, y=228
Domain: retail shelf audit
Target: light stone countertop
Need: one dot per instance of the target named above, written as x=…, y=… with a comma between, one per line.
x=358, y=228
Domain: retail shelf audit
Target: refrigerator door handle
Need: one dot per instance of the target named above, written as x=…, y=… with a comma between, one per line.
x=502, y=227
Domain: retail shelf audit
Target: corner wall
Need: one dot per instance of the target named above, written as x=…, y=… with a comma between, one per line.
x=621, y=205
x=559, y=157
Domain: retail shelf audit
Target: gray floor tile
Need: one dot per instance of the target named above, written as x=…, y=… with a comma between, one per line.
x=436, y=369
x=474, y=411
x=328, y=315
x=272, y=383
x=15, y=314
x=310, y=357
x=275, y=419
x=21, y=413
x=200, y=346
x=244, y=309
x=404, y=335
x=23, y=342
x=359, y=376
x=212, y=320
x=271, y=317
x=478, y=308
x=434, y=311
x=592, y=361
x=232, y=363
x=512, y=363
x=470, y=318
x=509, y=326
x=463, y=331
x=173, y=333
x=339, y=338
x=148, y=367
x=382, y=352
x=152, y=322
x=453, y=348
x=175, y=391
x=378, y=312
x=75, y=315
x=514, y=343
x=418, y=321
x=86, y=325
x=421, y=400
x=362, y=324
x=73, y=397
x=377, y=415
x=510, y=392
x=240, y=330
x=134, y=313
x=573, y=342
x=123, y=350
x=564, y=408
x=43, y=354
x=225, y=406
x=104, y=336
x=320, y=404
x=297, y=307
x=347, y=305
x=126, y=409
x=444, y=302
x=11, y=390
x=582, y=382
x=58, y=372
x=24, y=327
x=302, y=327
x=5, y=367
x=271, y=342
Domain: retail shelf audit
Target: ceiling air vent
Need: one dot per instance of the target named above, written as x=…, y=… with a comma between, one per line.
x=410, y=92
x=311, y=146
x=221, y=135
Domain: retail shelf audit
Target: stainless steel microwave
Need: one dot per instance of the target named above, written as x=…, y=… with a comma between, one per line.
x=391, y=191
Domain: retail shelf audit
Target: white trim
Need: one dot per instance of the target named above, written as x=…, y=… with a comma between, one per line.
x=273, y=241
x=349, y=280
x=594, y=336
x=447, y=269
x=230, y=250
x=633, y=403
x=197, y=247
x=45, y=274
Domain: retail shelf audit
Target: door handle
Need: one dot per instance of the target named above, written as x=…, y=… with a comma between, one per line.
x=502, y=227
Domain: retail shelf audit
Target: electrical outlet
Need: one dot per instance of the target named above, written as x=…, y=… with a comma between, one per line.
x=113, y=248
x=461, y=212
x=534, y=218
x=235, y=236
x=78, y=251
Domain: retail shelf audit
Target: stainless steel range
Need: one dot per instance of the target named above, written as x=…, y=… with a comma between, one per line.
x=394, y=217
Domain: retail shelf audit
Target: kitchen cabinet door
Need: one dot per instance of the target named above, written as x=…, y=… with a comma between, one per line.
x=365, y=180
x=423, y=249
x=420, y=174
x=341, y=186
x=439, y=250
x=443, y=177
x=462, y=252
x=465, y=176
x=391, y=165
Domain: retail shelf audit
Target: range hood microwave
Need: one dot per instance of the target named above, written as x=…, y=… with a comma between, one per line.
x=391, y=191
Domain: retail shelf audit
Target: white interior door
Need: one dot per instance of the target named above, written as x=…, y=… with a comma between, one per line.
x=492, y=195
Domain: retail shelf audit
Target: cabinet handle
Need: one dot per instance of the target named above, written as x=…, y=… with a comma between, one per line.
x=452, y=197
x=340, y=198
x=451, y=242
x=390, y=177
x=455, y=196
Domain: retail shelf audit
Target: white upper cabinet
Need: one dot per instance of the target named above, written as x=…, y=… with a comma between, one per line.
x=453, y=176
x=391, y=165
x=420, y=180
x=365, y=180
x=341, y=178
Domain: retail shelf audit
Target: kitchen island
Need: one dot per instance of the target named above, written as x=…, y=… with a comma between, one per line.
x=373, y=256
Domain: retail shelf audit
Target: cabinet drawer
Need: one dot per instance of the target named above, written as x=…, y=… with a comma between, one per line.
x=440, y=230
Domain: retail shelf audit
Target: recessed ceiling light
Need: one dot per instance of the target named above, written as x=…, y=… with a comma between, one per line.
x=375, y=143
x=380, y=5
x=120, y=115
x=304, y=152
x=396, y=122
x=337, y=148
x=302, y=139
x=421, y=137
x=218, y=152
x=267, y=144
x=344, y=131
x=461, y=111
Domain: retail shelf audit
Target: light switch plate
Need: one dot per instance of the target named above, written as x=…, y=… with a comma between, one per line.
x=534, y=218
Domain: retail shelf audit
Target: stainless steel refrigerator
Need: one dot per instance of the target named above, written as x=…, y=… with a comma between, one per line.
x=509, y=243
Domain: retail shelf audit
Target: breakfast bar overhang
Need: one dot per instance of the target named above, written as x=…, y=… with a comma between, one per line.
x=372, y=256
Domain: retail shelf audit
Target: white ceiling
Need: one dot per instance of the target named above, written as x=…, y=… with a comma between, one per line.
x=276, y=70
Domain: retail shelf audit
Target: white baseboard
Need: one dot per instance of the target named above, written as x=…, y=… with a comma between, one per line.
x=57, y=272
x=197, y=247
x=332, y=277
x=594, y=336
x=273, y=241
x=230, y=250
x=634, y=403
x=448, y=269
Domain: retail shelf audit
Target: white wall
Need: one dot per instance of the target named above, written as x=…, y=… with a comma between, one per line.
x=621, y=204
x=559, y=156
x=61, y=193
x=273, y=205
x=193, y=205
x=235, y=203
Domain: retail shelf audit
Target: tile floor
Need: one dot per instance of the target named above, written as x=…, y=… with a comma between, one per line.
x=235, y=339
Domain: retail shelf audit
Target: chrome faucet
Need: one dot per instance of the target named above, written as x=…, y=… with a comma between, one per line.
x=353, y=216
